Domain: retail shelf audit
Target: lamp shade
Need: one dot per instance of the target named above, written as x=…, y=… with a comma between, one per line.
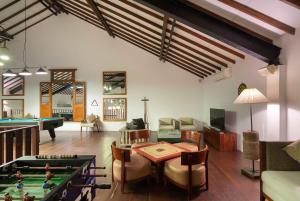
x=250, y=96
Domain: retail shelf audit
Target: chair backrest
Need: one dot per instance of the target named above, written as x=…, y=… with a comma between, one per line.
x=191, y=136
x=194, y=158
x=119, y=153
x=139, y=135
x=91, y=118
x=166, y=121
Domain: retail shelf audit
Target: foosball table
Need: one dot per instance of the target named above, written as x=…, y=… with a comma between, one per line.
x=50, y=178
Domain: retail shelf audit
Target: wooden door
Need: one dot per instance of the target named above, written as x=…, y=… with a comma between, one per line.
x=45, y=100
x=79, y=101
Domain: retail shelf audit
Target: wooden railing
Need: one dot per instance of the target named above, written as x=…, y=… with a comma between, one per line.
x=18, y=141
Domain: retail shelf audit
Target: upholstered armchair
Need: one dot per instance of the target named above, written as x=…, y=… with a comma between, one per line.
x=127, y=167
x=91, y=121
x=188, y=171
x=187, y=123
x=167, y=124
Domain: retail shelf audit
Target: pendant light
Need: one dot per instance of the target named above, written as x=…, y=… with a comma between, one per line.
x=25, y=72
x=9, y=73
x=41, y=71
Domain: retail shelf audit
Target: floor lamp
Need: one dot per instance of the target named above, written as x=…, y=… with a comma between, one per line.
x=251, y=138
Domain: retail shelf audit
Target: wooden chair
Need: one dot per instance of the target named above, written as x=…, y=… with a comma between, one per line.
x=139, y=137
x=190, y=140
x=188, y=171
x=127, y=167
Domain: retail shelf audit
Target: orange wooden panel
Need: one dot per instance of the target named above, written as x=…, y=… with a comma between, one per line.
x=78, y=112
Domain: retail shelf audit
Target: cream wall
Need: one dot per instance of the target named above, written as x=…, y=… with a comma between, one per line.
x=290, y=56
x=221, y=94
x=66, y=42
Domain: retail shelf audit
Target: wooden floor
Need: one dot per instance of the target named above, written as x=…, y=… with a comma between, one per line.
x=225, y=181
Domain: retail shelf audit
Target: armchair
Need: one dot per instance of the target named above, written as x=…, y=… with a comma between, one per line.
x=167, y=124
x=280, y=174
x=91, y=121
x=187, y=123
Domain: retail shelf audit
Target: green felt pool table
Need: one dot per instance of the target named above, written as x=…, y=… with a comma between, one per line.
x=44, y=123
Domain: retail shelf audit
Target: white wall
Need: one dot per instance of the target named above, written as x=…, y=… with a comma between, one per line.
x=221, y=94
x=290, y=56
x=66, y=42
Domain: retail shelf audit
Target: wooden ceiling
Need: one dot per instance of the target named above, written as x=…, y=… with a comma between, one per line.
x=165, y=34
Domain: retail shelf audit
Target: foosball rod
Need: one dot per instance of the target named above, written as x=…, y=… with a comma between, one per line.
x=21, y=198
x=14, y=185
x=54, y=175
x=99, y=186
x=49, y=168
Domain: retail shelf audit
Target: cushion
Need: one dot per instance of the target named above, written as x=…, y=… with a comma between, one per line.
x=293, y=150
x=165, y=121
x=179, y=173
x=131, y=126
x=91, y=118
x=138, y=167
x=91, y=125
x=187, y=145
x=187, y=121
x=139, y=123
x=188, y=127
x=281, y=185
x=166, y=127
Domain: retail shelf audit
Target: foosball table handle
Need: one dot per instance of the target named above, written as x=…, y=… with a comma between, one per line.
x=102, y=186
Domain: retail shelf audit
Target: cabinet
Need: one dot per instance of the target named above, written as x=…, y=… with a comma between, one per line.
x=221, y=141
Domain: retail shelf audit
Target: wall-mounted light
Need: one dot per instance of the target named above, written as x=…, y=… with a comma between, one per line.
x=1, y=63
x=9, y=73
x=268, y=70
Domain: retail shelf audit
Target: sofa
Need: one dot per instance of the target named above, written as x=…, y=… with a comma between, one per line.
x=167, y=124
x=280, y=174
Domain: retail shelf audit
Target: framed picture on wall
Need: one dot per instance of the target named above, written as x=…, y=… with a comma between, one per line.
x=13, y=86
x=114, y=83
x=114, y=109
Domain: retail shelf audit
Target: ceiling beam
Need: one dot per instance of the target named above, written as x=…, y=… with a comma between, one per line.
x=28, y=18
x=18, y=12
x=260, y=16
x=169, y=39
x=294, y=3
x=189, y=31
x=48, y=6
x=215, y=28
x=20, y=31
x=163, y=36
x=9, y=5
x=98, y=13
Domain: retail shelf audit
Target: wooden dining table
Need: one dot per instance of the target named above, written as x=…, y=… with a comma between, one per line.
x=158, y=153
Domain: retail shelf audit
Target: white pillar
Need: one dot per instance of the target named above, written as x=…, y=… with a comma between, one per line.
x=276, y=108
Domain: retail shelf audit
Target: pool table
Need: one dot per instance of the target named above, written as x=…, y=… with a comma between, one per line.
x=44, y=123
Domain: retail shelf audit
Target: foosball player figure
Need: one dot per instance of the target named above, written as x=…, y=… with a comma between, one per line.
x=19, y=185
x=47, y=167
x=49, y=175
x=28, y=198
x=19, y=175
x=46, y=186
x=7, y=197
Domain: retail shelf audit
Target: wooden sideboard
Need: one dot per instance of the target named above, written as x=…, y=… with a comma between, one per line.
x=221, y=141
